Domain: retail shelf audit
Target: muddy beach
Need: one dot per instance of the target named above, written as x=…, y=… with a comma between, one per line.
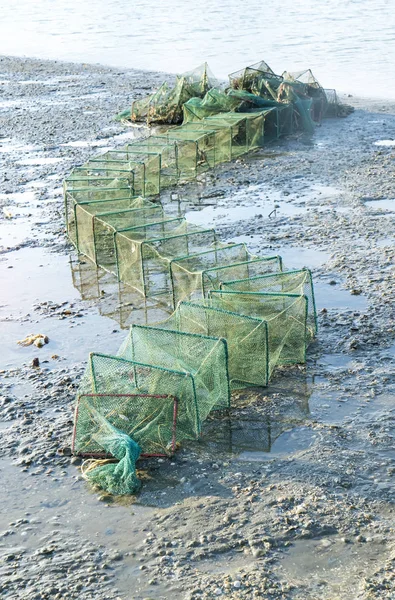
x=293, y=498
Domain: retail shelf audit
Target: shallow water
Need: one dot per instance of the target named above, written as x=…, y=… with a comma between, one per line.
x=349, y=45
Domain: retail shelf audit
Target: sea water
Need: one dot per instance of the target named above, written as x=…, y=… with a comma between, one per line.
x=349, y=44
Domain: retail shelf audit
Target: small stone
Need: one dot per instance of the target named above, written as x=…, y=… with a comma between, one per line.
x=105, y=498
x=237, y=584
x=218, y=592
x=35, y=362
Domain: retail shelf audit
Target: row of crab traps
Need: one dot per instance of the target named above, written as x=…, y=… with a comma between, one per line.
x=234, y=317
x=167, y=378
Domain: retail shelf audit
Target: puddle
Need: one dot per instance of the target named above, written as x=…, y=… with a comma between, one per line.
x=328, y=567
x=41, y=161
x=19, y=197
x=385, y=143
x=40, y=276
x=13, y=233
x=86, y=144
x=385, y=242
x=293, y=256
x=387, y=205
x=6, y=146
x=333, y=297
x=267, y=203
x=288, y=443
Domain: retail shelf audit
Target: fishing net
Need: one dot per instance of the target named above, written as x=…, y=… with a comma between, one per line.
x=290, y=282
x=95, y=222
x=253, y=79
x=105, y=225
x=204, y=358
x=246, y=338
x=120, y=477
x=144, y=253
x=107, y=374
x=168, y=151
x=286, y=317
x=166, y=104
x=195, y=151
x=215, y=101
x=151, y=421
x=145, y=167
x=193, y=275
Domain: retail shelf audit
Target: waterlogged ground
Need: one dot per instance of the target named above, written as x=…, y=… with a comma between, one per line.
x=289, y=496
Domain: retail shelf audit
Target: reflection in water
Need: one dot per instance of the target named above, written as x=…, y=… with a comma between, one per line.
x=114, y=299
x=258, y=418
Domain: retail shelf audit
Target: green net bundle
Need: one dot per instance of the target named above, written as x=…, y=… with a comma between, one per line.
x=151, y=421
x=166, y=104
x=120, y=477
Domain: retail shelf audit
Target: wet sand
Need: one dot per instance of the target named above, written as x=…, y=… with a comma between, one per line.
x=293, y=496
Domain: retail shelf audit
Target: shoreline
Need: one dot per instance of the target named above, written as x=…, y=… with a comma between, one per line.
x=300, y=522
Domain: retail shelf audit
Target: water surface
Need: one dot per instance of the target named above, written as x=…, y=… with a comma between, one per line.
x=348, y=43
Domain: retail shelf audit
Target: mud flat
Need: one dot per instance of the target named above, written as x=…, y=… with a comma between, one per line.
x=293, y=496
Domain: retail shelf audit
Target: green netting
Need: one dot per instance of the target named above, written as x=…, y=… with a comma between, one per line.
x=193, y=275
x=150, y=420
x=166, y=104
x=213, y=277
x=246, y=337
x=290, y=282
x=107, y=374
x=215, y=101
x=144, y=167
x=204, y=358
x=246, y=315
x=88, y=234
x=117, y=478
x=81, y=178
x=168, y=151
x=195, y=151
x=252, y=78
x=105, y=226
x=286, y=317
x=144, y=254
x=113, y=201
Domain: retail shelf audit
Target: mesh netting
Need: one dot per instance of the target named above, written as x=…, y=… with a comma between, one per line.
x=193, y=275
x=246, y=338
x=150, y=420
x=118, y=375
x=204, y=358
x=236, y=316
x=166, y=104
x=144, y=254
x=290, y=282
x=286, y=317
